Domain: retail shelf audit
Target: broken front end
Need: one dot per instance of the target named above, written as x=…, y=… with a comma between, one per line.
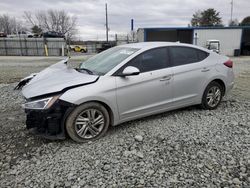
x=45, y=117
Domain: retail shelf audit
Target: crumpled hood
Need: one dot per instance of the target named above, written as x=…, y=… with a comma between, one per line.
x=56, y=78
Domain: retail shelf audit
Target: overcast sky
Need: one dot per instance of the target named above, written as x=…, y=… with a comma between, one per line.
x=146, y=13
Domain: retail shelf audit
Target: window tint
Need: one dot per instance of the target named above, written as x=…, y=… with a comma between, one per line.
x=154, y=59
x=186, y=55
x=202, y=55
x=150, y=60
x=135, y=62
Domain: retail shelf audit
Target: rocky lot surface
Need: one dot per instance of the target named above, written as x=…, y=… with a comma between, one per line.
x=189, y=147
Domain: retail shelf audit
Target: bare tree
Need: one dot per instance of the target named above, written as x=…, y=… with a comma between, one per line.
x=8, y=24
x=53, y=20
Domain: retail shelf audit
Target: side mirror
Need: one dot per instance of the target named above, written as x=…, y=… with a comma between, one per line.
x=130, y=71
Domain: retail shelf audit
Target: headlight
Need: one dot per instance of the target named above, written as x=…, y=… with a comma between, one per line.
x=41, y=104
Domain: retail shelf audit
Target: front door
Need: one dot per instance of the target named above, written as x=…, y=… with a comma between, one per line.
x=151, y=90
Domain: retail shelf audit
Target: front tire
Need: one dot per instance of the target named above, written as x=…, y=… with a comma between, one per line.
x=212, y=96
x=87, y=122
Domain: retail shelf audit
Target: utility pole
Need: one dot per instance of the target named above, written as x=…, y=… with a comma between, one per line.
x=132, y=29
x=107, y=28
x=232, y=5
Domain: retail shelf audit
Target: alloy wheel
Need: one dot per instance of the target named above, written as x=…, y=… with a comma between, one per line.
x=89, y=123
x=213, y=96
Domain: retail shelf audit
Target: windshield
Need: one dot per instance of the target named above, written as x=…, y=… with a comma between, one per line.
x=102, y=63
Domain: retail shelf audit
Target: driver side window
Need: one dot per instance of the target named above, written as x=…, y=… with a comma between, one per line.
x=150, y=60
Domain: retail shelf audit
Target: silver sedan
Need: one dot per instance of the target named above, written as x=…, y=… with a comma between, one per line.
x=121, y=84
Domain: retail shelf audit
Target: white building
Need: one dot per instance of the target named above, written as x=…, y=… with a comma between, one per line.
x=231, y=38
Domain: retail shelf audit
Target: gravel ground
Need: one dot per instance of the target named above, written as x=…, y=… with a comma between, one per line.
x=189, y=147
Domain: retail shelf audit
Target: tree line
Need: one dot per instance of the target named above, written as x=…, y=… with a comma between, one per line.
x=42, y=21
x=211, y=17
x=62, y=22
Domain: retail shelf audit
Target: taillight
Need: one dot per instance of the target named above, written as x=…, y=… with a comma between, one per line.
x=229, y=64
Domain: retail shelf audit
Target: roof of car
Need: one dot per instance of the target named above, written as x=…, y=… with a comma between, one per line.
x=147, y=45
x=154, y=44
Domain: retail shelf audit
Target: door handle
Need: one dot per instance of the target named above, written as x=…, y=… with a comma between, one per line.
x=164, y=78
x=205, y=69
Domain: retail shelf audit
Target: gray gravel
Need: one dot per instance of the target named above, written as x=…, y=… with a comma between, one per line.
x=189, y=147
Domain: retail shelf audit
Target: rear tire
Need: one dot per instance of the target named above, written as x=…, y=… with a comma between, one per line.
x=212, y=96
x=87, y=122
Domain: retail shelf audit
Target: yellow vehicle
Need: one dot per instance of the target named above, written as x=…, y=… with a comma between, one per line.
x=80, y=48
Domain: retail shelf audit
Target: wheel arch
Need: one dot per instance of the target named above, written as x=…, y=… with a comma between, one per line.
x=204, y=104
x=221, y=82
x=219, y=79
x=108, y=108
x=67, y=126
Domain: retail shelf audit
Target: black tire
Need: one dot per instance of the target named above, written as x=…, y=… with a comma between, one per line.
x=83, y=51
x=206, y=99
x=80, y=113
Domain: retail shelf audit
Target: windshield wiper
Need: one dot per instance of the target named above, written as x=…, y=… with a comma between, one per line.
x=86, y=70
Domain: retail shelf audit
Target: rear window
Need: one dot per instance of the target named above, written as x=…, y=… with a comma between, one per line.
x=186, y=55
x=202, y=55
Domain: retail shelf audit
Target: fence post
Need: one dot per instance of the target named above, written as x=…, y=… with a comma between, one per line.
x=63, y=50
x=5, y=47
x=37, y=48
x=45, y=47
x=25, y=46
x=20, y=42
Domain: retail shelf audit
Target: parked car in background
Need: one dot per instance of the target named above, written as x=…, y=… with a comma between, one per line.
x=2, y=34
x=104, y=46
x=21, y=34
x=79, y=48
x=37, y=35
x=123, y=83
x=52, y=34
x=213, y=45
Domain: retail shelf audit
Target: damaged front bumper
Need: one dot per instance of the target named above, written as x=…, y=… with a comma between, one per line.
x=49, y=123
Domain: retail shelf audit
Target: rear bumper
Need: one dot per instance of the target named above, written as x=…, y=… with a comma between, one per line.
x=229, y=87
x=49, y=123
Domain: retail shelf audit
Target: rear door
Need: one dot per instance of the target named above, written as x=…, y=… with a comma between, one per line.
x=191, y=70
x=148, y=92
